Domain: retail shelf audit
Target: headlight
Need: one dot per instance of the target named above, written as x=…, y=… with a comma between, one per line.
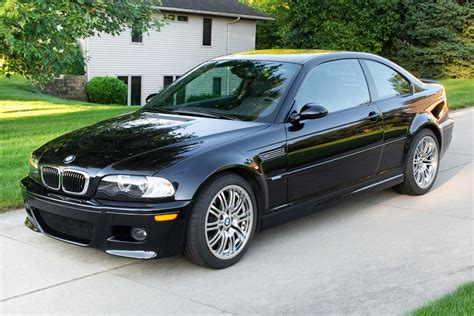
x=136, y=186
x=33, y=167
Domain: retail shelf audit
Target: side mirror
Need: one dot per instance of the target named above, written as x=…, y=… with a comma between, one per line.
x=150, y=96
x=310, y=111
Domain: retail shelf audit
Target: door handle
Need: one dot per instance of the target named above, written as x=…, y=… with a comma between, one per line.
x=374, y=116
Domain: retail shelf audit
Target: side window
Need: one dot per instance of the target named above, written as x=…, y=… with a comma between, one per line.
x=167, y=80
x=137, y=36
x=337, y=85
x=206, y=32
x=388, y=82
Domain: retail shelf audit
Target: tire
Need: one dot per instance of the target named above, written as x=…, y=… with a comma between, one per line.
x=415, y=162
x=219, y=231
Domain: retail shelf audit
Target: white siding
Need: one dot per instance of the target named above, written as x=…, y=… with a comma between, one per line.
x=174, y=50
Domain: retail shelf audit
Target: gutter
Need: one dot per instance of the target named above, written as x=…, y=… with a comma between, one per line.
x=203, y=12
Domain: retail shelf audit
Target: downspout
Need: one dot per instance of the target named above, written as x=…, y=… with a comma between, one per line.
x=228, y=33
x=228, y=50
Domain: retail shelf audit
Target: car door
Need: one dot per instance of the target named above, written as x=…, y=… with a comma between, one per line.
x=342, y=148
x=394, y=96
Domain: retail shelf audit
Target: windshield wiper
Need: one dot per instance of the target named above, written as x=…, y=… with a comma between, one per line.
x=158, y=110
x=206, y=114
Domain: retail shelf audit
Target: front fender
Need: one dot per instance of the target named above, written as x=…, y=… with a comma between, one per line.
x=189, y=176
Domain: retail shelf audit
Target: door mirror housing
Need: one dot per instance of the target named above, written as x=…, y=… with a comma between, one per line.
x=309, y=111
x=149, y=97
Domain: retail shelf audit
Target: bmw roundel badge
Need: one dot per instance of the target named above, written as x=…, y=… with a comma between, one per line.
x=69, y=159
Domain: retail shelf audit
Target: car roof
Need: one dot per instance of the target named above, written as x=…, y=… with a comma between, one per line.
x=299, y=56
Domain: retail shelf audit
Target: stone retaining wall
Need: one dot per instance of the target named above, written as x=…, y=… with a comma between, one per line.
x=67, y=87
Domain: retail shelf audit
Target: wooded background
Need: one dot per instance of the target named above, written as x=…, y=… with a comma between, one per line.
x=432, y=39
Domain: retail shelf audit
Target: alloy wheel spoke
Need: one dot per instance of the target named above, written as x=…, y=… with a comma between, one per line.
x=238, y=230
x=215, y=239
x=222, y=245
x=222, y=200
x=231, y=243
x=212, y=226
x=215, y=211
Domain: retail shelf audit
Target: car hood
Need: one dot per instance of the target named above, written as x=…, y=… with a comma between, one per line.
x=142, y=141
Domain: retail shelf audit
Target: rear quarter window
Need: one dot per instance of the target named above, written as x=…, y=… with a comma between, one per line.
x=387, y=82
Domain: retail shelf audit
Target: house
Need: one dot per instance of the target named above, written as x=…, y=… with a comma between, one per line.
x=196, y=31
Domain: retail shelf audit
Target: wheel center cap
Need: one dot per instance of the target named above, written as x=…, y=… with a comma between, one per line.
x=227, y=221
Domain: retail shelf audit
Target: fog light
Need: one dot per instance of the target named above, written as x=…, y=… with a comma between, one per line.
x=139, y=234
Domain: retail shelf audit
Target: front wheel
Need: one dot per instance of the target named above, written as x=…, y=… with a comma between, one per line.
x=422, y=164
x=222, y=223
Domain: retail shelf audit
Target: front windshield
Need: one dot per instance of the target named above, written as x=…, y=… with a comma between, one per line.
x=247, y=90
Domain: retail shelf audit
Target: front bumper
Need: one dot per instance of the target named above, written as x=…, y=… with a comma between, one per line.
x=105, y=225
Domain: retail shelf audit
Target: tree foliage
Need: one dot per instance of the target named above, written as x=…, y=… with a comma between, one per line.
x=76, y=64
x=38, y=37
x=341, y=25
x=435, y=39
x=271, y=34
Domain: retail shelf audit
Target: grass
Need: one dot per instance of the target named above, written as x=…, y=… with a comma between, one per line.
x=458, y=303
x=460, y=92
x=29, y=119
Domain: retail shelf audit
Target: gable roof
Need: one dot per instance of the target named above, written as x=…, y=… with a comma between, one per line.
x=229, y=8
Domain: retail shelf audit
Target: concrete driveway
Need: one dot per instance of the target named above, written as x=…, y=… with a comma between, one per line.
x=385, y=254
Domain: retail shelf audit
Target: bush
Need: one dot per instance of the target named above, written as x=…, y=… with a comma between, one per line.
x=107, y=90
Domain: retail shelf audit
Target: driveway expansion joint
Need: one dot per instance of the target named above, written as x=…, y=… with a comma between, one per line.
x=174, y=294
x=67, y=282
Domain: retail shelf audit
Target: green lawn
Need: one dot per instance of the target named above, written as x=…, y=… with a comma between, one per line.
x=460, y=92
x=28, y=119
x=458, y=303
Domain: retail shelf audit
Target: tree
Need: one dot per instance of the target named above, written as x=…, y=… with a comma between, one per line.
x=270, y=34
x=341, y=25
x=435, y=39
x=39, y=37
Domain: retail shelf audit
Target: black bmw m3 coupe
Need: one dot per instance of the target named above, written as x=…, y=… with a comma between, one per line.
x=241, y=143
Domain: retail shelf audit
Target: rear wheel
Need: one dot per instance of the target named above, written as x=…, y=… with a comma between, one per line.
x=222, y=223
x=422, y=164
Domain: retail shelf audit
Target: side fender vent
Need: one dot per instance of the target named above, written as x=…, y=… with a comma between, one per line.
x=438, y=109
x=272, y=154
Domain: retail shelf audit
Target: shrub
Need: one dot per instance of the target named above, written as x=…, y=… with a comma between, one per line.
x=107, y=90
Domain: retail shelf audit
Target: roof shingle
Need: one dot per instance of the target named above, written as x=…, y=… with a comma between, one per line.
x=231, y=8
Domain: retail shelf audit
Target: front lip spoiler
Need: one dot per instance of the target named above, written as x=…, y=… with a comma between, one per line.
x=31, y=225
x=135, y=254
